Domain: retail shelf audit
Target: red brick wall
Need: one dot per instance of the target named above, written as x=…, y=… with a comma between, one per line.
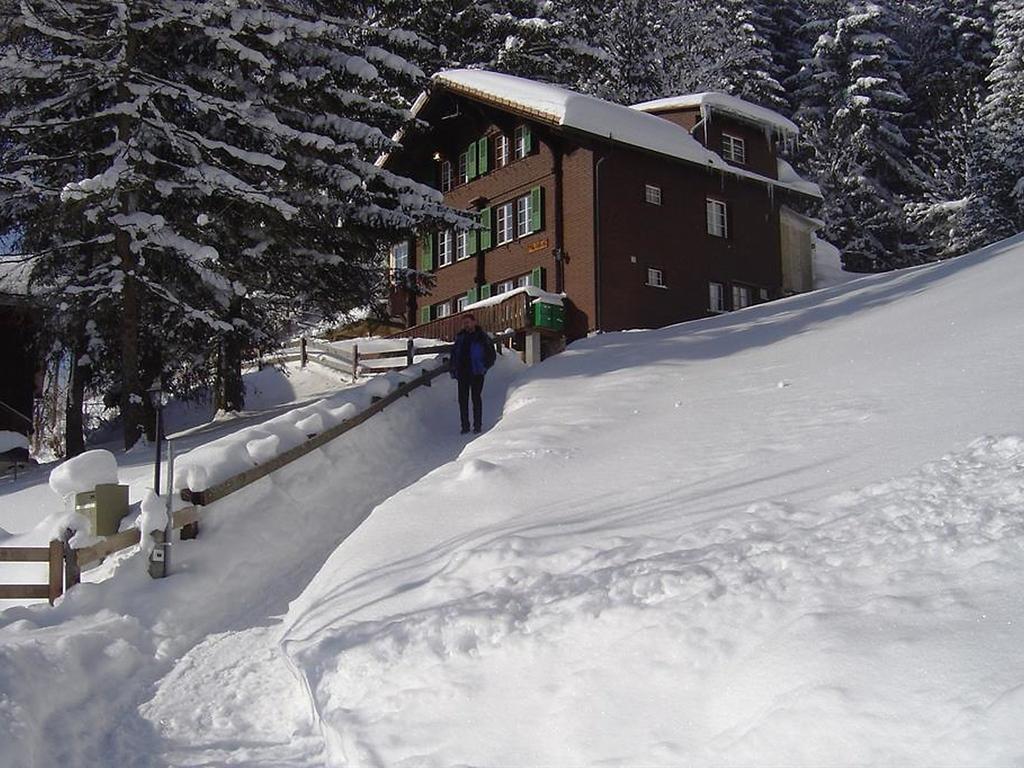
x=673, y=237
x=498, y=185
x=578, y=185
x=761, y=156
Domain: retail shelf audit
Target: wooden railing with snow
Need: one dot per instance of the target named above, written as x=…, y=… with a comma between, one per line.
x=353, y=362
x=512, y=314
x=66, y=562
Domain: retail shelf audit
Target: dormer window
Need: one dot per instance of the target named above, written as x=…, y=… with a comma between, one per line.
x=734, y=149
x=446, y=175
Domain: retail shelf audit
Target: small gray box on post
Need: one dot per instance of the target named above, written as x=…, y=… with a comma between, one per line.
x=104, y=507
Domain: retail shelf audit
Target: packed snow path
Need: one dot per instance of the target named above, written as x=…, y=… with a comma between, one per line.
x=89, y=682
x=790, y=535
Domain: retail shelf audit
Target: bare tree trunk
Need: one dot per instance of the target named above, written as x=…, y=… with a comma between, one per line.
x=132, y=395
x=230, y=391
x=74, y=409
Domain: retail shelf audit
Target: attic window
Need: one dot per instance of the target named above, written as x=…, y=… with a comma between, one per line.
x=652, y=194
x=734, y=149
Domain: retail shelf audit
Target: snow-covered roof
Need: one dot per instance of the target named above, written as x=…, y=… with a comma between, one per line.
x=793, y=180
x=568, y=109
x=535, y=293
x=722, y=102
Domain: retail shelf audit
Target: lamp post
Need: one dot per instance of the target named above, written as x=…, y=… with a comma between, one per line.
x=156, y=400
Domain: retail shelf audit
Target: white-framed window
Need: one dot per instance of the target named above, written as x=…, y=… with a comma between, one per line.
x=655, y=278
x=718, y=218
x=461, y=303
x=522, y=281
x=400, y=255
x=716, y=297
x=652, y=194
x=504, y=223
x=741, y=296
x=524, y=210
x=446, y=175
x=444, y=309
x=462, y=245
x=463, y=168
x=734, y=149
x=762, y=294
x=522, y=141
x=505, y=286
x=445, y=247
x=501, y=150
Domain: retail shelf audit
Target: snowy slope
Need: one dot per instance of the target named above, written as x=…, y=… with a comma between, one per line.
x=791, y=535
x=788, y=535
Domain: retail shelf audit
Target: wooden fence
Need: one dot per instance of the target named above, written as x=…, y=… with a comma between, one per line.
x=66, y=563
x=354, y=361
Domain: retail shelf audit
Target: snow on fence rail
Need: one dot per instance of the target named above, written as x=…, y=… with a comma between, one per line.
x=359, y=357
x=66, y=562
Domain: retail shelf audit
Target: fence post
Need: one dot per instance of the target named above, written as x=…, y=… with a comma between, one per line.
x=72, y=571
x=355, y=362
x=302, y=347
x=56, y=561
x=410, y=352
x=157, y=565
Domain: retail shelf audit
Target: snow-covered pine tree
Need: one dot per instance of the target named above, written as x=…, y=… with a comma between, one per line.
x=1003, y=115
x=168, y=159
x=529, y=38
x=854, y=110
x=751, y=66
x=638, y=42
x=947, y=84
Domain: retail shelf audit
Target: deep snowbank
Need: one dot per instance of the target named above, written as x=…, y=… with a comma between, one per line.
x=656, y=557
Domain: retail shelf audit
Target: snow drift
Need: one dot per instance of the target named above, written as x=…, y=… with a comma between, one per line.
x=776, y=537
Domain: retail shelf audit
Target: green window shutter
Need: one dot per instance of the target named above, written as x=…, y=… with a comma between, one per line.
x=536, y=209
x=426, y=253
x=485, y=291
x=471, y=241
x=424, y=315
x=485, y=233
x=471, y=161
x=528, y=138
x=471, y=296
x=537, y=277
x=481, y=155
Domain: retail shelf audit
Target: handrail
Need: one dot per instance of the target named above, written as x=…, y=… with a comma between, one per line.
x=239, y=481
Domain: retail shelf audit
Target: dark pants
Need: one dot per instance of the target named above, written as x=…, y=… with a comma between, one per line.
x=471, y=384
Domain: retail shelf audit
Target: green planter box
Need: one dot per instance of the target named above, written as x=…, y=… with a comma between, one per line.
x=550, y=316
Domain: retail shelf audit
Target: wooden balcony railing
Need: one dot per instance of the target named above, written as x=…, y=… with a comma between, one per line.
x=512, y=314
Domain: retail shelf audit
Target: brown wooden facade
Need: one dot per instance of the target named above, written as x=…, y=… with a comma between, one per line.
x=599, y=232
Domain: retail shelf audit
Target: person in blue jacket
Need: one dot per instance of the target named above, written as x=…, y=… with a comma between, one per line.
x=472, y=355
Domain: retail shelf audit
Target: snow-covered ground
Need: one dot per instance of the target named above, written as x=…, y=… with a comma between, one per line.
x=790, y=535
